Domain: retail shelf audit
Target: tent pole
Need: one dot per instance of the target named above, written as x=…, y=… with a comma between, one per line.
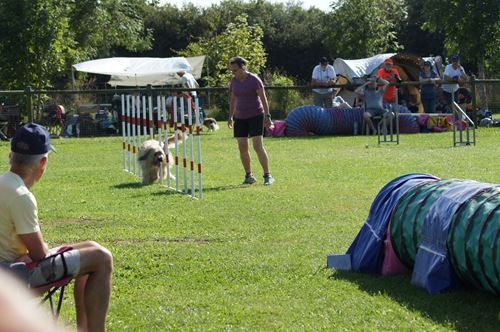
x=72, y=78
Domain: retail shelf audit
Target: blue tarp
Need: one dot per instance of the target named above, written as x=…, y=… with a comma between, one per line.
x=367, y=249
x=432, y=269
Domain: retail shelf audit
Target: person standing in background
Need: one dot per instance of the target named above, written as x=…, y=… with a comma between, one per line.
x=391, y=75
x=428, y=90
x=453, y=73
x=323, y=75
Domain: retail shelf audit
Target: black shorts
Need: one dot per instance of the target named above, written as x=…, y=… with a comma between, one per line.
x=249, y=127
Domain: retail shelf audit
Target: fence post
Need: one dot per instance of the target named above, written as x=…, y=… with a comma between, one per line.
x=29, y=102
x=474, y=101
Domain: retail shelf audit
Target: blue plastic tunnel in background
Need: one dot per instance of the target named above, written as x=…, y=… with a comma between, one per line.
x=306, y=120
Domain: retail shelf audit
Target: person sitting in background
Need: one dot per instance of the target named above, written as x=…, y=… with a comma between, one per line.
x=323, y=75
x=21, y=238
x=428, y=90
x=453, y=73
x=372, y=92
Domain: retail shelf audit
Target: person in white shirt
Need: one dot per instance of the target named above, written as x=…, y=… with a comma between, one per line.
x=188, y=81
x=323, y=76
x=453, y=73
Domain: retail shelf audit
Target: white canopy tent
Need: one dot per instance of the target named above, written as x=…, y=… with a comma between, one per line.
x=351, y=69
x=143, y=71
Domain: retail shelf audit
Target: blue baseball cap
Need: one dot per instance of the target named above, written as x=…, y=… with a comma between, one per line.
x=31, y=139
x=455, y=58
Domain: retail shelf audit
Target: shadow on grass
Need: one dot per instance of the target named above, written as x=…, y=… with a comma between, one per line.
x=469, y=309
x=129, y=185
x=172, y=191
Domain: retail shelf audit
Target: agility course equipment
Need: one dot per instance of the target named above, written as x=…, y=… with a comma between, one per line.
x=138, y=125
x=309, y=119
x=446, y=231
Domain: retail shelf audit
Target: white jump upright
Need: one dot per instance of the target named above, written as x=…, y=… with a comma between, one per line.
x=139, y=125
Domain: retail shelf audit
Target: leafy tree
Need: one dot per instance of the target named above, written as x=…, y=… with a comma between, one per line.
x=471, y=28
x=362, y=28
x=41, y=39
x=413, y=36
x=239, y=39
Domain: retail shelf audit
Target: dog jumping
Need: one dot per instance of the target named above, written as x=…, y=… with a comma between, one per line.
x=211, y=124
x=152, y=159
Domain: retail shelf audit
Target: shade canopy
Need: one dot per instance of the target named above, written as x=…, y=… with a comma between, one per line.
x=360, y=67
x=127, y=71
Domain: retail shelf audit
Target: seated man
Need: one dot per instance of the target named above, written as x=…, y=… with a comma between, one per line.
x=372, y=92
x=21, y=239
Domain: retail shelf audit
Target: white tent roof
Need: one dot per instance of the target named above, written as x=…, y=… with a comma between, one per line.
x=142, y=71
x=360, y=67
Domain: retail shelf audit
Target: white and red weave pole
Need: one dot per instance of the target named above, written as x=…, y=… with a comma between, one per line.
x=124, y=136
x=191, y=147
x=134, y=138
x=176, y=144
x=129, y=134
x=198, y=136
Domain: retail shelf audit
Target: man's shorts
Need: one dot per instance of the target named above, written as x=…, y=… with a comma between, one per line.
x=54, y=267
x=376, y=111
x=249, y=127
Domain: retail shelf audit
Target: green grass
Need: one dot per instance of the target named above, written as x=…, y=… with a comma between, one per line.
x=254, y=258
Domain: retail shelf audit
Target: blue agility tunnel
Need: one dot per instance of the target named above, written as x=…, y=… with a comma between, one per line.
x=446, y=231
x=309, y=119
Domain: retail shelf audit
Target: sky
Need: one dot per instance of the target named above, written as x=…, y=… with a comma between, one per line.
x=324, y=5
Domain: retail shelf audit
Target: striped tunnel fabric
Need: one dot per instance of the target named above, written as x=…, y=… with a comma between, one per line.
x=310, y=119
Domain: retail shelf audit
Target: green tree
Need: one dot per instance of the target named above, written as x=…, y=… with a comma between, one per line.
x=41, y=39
x=239, y=39
x=471, y=28
x=362, y=28
x=413, y=36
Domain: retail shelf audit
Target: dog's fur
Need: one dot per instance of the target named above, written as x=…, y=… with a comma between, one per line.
x=152, y=159
x=211, y=124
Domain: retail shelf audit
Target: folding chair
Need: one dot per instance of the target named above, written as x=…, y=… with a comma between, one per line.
x=50, y=291
x=47, y=292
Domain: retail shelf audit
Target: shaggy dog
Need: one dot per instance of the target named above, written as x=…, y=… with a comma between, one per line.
x=211, y=124
x=153, y=159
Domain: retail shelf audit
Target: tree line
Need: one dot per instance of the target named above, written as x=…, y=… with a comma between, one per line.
x=41, y=39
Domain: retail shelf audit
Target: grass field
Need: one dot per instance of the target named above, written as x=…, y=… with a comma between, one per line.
x=253, y=258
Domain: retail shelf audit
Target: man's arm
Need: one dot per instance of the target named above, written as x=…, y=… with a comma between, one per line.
x=37, y=248
x=383, y=83
x=360, y=90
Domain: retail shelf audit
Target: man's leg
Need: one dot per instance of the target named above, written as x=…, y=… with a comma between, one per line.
x=368, y=120
x=93, y=291
x=318, y=101
x=258, y=146
x=244, y=154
